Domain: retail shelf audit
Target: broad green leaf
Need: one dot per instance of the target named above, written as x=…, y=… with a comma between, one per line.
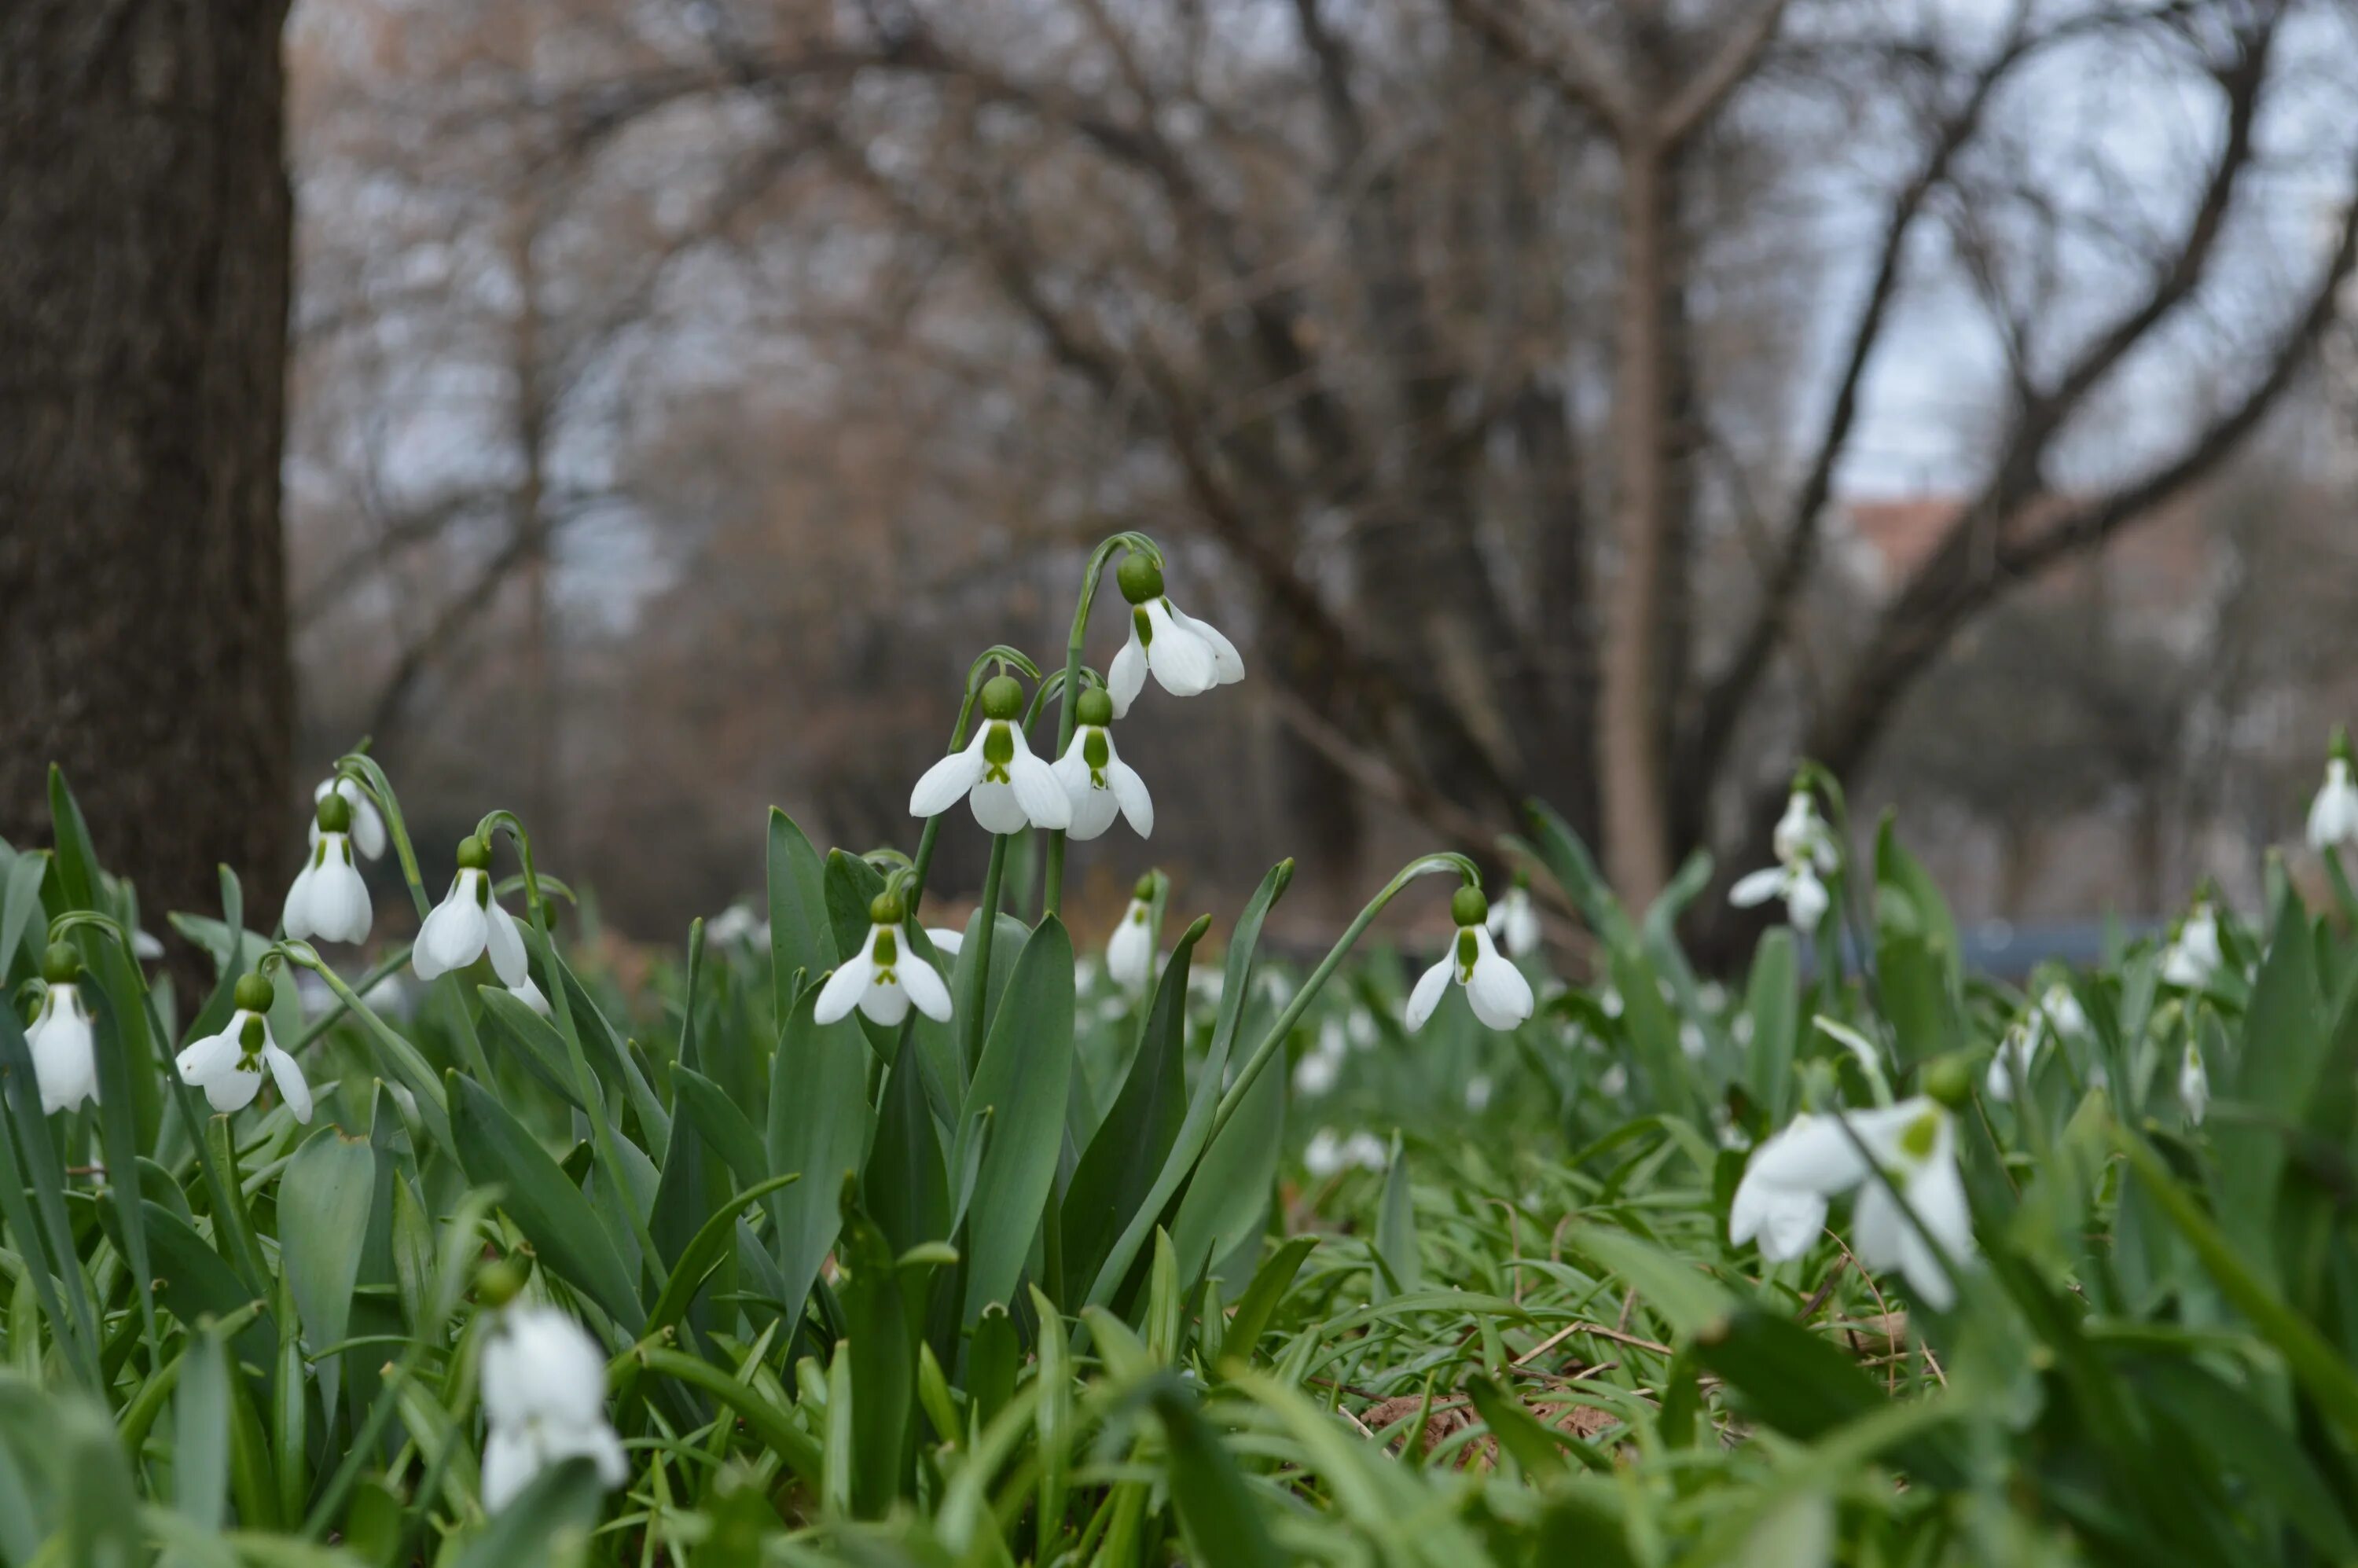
x=1772, y=1001
x=1228, y=1196
x=1401, y=1267
x=800, y=939
x=1217, y=1513
x=324, y=1217
x=1017, y=1095
x=549, y=1522
x=201, y=1429
x=549, y=1209
x=820, y=1124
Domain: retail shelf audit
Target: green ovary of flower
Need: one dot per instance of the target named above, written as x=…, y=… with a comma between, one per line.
x=998, y=751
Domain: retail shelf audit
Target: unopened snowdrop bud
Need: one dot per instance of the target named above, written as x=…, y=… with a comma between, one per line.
x=1515, y=921
x=229, y=1065
x=2193, y=1085
x=1095, y=778
x=2333, y=815
x=2193, y=956
x=1502, y=997
x=329, y=900
x=881, y=980
x=543, y=1382
x=469, y=923
x=368, y=825
x=64, y=1050
x=1186, y=656
x=1008, y=787
x=1129, y=951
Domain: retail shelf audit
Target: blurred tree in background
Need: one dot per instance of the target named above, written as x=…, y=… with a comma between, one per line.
x=145, y=228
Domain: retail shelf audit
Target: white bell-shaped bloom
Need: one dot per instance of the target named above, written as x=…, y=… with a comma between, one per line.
x=469, y=923
x=2060, y=1010
x=1318, y=1072
x=367, y=826
x=1097, y=782
x=1794, y=881
x=1515, y=922
x=1802, y=835
x=2017, y=1054
x=1502, y=997
x=229, y=1065
x=2333, y=815
x=1129, y=951
x=881, y=981
x=1009, y=788
x=64, y=1049
x=2193, y=956
x=1910, y=1148
x=329, y=901
x=2193, y=1085
x=1186, y=656
x=544, y=1384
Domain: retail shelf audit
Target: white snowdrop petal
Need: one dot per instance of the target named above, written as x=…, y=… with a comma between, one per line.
x=510, y=1461
x=1129, y=951
x=1497, y=989
x=1228, y=664
x=1126, y=676
x=1093, y=813
x=924, y=987
x=1875, y=1227
x=1758, y=888
x=1181, y=662
x=845, y=989
x=1431, y=987
x=210, y=1055
x=504, y=943
x=1812, y=1154
x=453, y=933
x=292, y=1087
x=295, y=915
x=941, y=785
x=1805, y=898
x=886, y=1003
x=997, y=808
x=368, y=827
x=1043, y=800
x=1130, y=790
x=947, y=940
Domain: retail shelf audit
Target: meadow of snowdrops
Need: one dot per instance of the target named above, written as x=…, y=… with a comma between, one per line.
x=843, y=1238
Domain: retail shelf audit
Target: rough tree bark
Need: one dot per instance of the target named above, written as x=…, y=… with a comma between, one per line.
x=145, y=222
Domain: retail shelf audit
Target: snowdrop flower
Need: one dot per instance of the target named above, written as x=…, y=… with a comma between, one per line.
x=1515, y=922
x=1913, y=1147
x=2193, y=1085
x=1330, y=1154
x=1794, y=881
x=737, y=923
x=881, y=981
x=2016, y=1053
x=329, y=901
x=1478, y=1093
x=1318, y=1073
x=469, y=923
x=367, y=828
x=1129, y=951
x=1801, y=834
x=65, y=1053
x=1360, y=1027
x=544, y=1402
x=228, y=1065
x=1496, y=989
x=2060, y=1010
x=2333, y=815
x=147, y=949
x=2193, y=955
x=1009, y=788
x=1095, y=778
x=948, y=939
x=1186, y=656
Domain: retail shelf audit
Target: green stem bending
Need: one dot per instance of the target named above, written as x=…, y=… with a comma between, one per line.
x=1424, y=865
x=1052, y=885
x=362, y=768
x=977, y=984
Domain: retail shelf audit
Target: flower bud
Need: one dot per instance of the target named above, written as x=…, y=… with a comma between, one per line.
x=335, y=813
x=1949, y=1079
x=1093, y=707
x=1001, y=697
x=498, y=1283
x=1139, y=578
x=2340, y=748
x=474, y=853
x=254, y=993
x=1145, y=888
x=1468, y=907
x=886, y=908
x=60, y=965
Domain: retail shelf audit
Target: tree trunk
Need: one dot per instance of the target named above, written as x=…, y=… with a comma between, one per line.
x=145, y=219
x=1630, y=755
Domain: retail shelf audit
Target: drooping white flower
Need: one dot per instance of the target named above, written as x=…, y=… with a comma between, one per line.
x=1009, y=788
x=1318, y=1073
x=2333, y=815
x=1328, y=1153
x=1910, y=1148
x=1478, y=1093
x=1802, y=835
x=738, y=922
x=469, y=923
x=1794, y=881
x=543, y=1386
x=2015, y=1055
x=2059, y=1010
x=1515, y=922
x=368, y=827
x=229, y=1065
x=329, y=900
x=2193, y=1085
x=2193, y=956
x=1129, y=951
x=1496, y=989
x=63, y=1047
x=1186, y=656
x=882, y=980
x=1095, y=778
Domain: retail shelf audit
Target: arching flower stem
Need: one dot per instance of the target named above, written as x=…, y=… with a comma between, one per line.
x=1052, y=885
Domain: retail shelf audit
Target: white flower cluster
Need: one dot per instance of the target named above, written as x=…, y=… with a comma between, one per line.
x=544, y=1402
